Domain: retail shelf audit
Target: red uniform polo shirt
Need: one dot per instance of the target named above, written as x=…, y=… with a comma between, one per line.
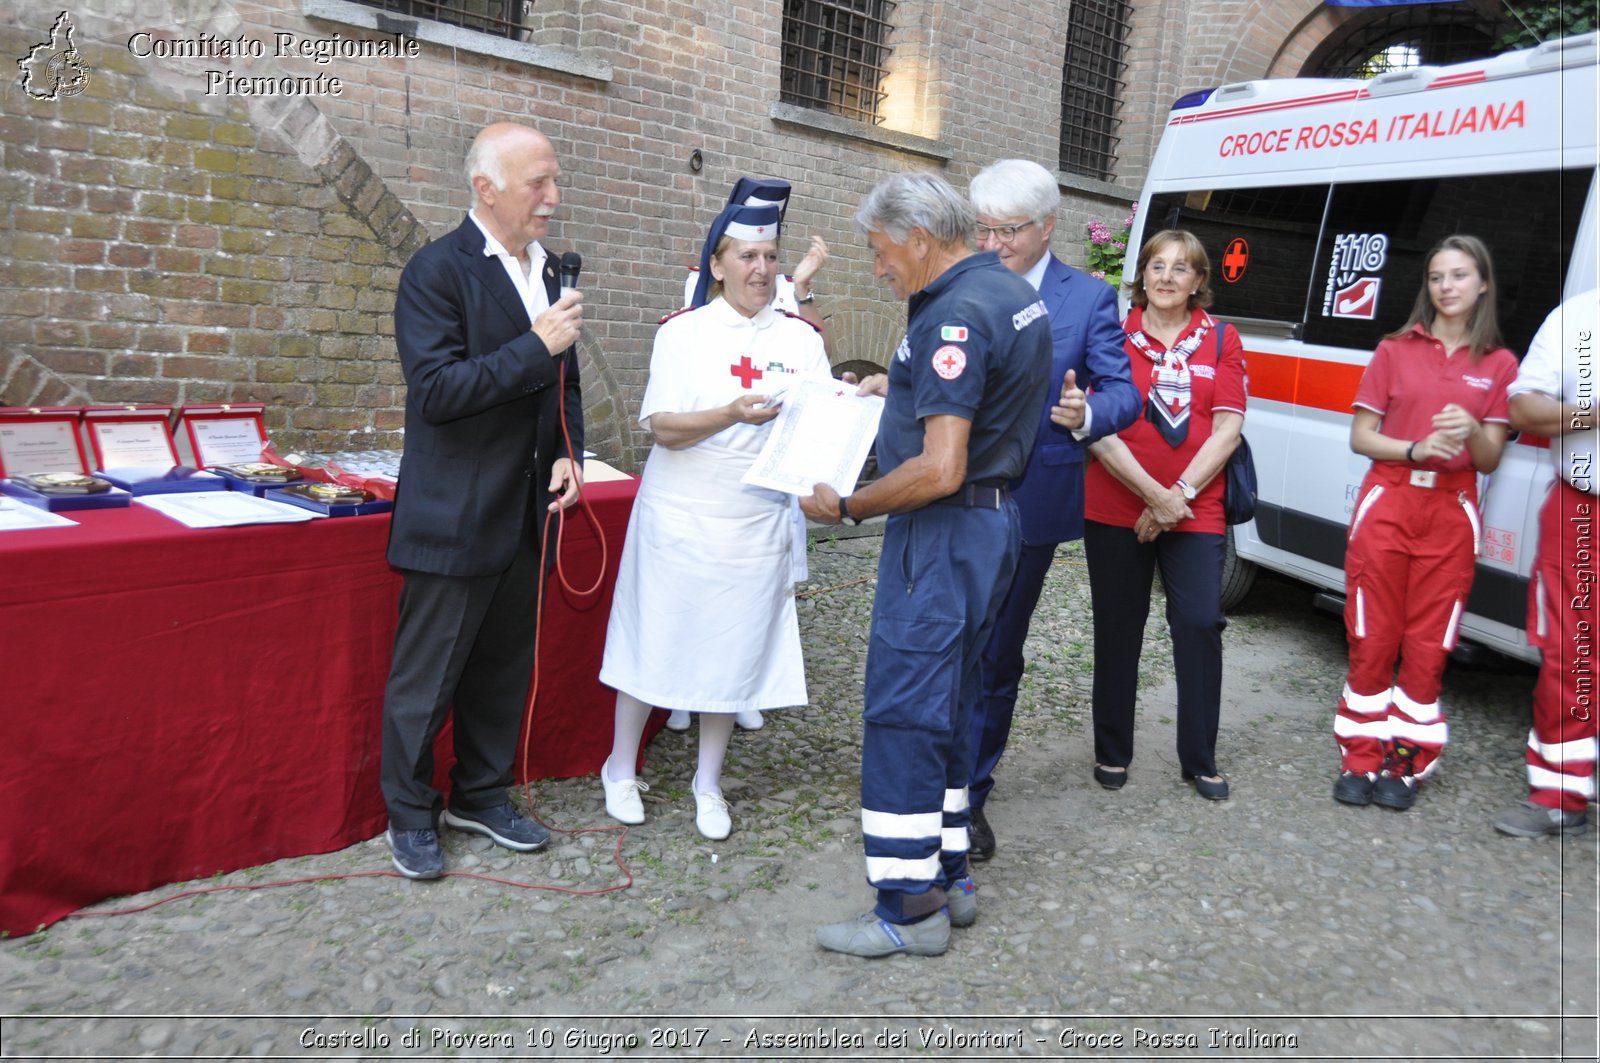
x=1411, y=378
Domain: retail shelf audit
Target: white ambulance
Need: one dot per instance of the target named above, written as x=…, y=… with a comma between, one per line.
x=1316, y=200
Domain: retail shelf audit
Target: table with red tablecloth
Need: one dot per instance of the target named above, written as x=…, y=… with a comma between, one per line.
x=180, y=702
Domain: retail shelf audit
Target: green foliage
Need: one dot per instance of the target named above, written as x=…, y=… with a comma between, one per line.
x=1546, y=20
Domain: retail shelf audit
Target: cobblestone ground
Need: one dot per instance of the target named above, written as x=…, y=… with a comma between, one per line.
x=1143, y=923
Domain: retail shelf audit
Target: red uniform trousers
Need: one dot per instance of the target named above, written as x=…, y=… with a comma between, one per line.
x=1561, y=624
x=1409, y=561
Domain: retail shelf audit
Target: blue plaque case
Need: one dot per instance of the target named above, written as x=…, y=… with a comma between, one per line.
x=329, y=509
x=112, y=499
x=159, y=480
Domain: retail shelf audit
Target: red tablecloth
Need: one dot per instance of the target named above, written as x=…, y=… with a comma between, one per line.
x=180, y=702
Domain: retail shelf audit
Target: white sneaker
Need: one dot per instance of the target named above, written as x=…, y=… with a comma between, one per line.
x=711, y=814
x=622, y=798
x=678, y=720
x=749, y=720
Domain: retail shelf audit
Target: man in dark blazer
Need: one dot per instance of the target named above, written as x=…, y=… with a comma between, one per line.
x=1016, y=202
x=488, y=348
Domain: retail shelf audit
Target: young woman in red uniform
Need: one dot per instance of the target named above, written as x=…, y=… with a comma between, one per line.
x=1431, y=413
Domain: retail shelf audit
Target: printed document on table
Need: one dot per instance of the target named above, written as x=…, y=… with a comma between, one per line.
x=222, y=509
x=822, y=435
x=15, y=516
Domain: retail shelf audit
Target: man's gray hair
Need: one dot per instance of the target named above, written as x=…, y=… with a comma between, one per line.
x=484, y=158
x=1015, y=187
x=917, y=200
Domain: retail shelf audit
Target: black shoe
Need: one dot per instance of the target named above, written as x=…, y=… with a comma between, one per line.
x=980, y=839
x=416, y=853
x=1211, y=791
x=1353, y=788
x=1398, y=792
x=501, y=824
x=1110, y=778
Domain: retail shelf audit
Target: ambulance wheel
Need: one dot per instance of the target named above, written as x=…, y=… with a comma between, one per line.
x=1238, y=575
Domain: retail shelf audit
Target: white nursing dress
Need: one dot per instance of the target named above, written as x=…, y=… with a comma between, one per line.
x=703, y=616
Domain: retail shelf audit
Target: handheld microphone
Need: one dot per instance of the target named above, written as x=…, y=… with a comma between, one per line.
x=571, y=264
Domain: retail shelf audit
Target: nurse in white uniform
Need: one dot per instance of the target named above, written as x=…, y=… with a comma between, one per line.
x=703, y=618
x=792, y=295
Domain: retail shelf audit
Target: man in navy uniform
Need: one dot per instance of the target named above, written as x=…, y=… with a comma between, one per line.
x=1016, y=201
x=963, y=392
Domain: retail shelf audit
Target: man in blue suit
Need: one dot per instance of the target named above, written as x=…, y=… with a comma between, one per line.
x=1016, y=202
x=488, y=348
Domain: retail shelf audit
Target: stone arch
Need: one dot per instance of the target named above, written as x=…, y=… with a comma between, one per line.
x=1326, y=28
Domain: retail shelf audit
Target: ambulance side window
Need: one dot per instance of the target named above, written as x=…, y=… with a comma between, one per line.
x=1369, y=264
x=1262, y=243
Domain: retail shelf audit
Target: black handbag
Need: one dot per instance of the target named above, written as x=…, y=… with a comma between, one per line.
x=1239, y=487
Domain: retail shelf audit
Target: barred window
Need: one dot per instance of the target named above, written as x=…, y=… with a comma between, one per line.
x=502, y=18
x=1091, y=84
x=834, y=55
x=1404, y=38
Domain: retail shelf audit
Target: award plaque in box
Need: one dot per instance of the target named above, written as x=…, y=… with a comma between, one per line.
x=39, y=439
x=332, y=500
x=228, y=433
x=257, y=477
x=61, y=491
x=161, y=479
x=133, y=435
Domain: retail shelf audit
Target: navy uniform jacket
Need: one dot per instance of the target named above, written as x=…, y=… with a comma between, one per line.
x=1087, y=336
x=977, y=347
x=482, y=414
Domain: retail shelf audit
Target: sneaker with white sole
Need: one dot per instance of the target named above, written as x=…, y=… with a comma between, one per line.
x=711, y=814
x=678, y=720
x=871, y=937
x=962, y=900
x=749, y=720
x=502, y=824
x=622, y=798
x=1529, y=820
x=416, y=853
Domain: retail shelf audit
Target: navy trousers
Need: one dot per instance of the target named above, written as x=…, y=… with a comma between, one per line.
x=1120, y=572
x=941, y=576
x=1002, y=668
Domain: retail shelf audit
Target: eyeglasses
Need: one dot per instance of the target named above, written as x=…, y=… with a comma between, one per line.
x=1004, y=233
x=1159, y=269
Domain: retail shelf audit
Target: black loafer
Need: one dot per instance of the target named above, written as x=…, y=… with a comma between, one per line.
x=1211, y=791
x=980, y=839
x=1110, y=778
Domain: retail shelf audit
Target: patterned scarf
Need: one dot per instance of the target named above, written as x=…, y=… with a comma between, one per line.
x=1168, y=407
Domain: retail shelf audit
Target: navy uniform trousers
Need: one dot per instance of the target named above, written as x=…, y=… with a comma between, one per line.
x=1003, y=663
x=942, y=574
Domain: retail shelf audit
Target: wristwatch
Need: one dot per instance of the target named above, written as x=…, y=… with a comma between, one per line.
x=844, y=513
x=810, y=297
x=1189, y=493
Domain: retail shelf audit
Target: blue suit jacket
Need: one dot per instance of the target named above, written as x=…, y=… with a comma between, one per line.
x=482, y=412
x=1088, y=337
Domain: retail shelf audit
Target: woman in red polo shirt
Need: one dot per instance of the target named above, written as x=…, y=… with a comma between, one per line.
x=1153, y=496
x=1431, y=413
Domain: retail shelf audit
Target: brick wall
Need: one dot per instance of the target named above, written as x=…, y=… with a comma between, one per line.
x=162, y=244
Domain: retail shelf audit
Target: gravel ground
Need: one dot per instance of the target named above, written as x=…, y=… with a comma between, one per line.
x=1143, y=923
